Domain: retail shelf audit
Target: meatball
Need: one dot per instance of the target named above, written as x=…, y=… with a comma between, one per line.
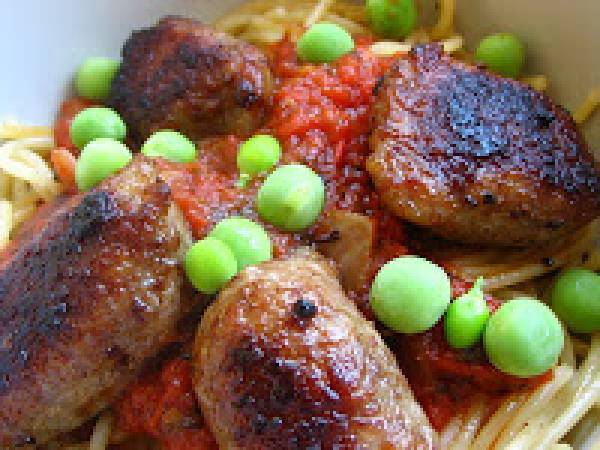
x=478, y=158
x=283, y=360
x=88, y=292
x=183, y=75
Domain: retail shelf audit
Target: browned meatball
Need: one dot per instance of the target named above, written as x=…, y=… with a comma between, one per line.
x=87, y=293
x=183, y=75
x=283, y=360
x=476, y=157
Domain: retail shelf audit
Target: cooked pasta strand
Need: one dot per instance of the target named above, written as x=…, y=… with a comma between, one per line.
x=561, y=447
x=470, y=426
x=419, y=36
x=571, y=415
x=44, y=186
x=450, y=432
x=39, y=144
x=14, y=130
x=555, y=408
x=26, y=178
x=5, y=185
x=233, y=24
x=21, y=192
x=589, y=369
x=354, y=11
x=567, y=356
x=452, y=44
x=445, y=24
x=518, y=267
x=6, y=213
x=21, y=214
x=537, y=82
x=587, y=108
x=261, y=37
x=318, y=12
x=535, y=404
x=101, y=434
x=389, y=48
x=587, y=431
x=490, y=431
x=349, y=25
x=265, y=22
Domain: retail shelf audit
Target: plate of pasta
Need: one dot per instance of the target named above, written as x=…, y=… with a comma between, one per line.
x=300, y=224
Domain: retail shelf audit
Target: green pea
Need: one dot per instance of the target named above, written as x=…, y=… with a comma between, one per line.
x=393, y=19
x=523, y=338
x=258, y=154
x=324, y=43
x=502, y=53
x=96, y=122
x=98, y=160
x=410, y=294
x=209, y=264
x=248, y=241
x=94, y=78
x=576, y=300
x=170, y=145
x=291, y=198
x=466, y=317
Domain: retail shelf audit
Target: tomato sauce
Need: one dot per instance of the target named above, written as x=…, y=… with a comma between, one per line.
x=321, y=116
x=206, y=191
x=68, y=110
x=164, y=406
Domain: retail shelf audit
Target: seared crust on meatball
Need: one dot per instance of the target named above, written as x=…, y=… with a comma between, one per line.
x=183, y=75
x=283, y=360
x=476, y=157
x=88, y=292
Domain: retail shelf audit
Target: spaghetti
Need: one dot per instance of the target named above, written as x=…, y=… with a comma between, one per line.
x=26, y=178
x=587, y=108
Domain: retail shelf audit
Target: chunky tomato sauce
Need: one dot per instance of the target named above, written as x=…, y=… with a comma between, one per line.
x=68, y=110
x=321, y=115
x=164, y=406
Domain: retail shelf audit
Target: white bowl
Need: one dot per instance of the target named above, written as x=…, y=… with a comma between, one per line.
x=43, y=42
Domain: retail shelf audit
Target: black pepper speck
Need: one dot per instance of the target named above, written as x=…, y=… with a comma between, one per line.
x=305, y=309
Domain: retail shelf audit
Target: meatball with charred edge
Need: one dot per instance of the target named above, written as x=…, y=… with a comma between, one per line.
x=90, y=290
x=186, y=76
x=476, y=157
x=283, y=360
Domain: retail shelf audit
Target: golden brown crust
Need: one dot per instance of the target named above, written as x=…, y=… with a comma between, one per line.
x=269, y=375
x=476, y=157
x=88, y=293
x=183, y=75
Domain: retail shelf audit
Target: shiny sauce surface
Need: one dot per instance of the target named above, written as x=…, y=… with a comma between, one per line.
x=163, y=405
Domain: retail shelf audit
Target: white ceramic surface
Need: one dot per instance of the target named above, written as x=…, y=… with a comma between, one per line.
x=43, y=41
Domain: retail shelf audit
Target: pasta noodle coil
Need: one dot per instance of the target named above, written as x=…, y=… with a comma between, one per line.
x=26, y=178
